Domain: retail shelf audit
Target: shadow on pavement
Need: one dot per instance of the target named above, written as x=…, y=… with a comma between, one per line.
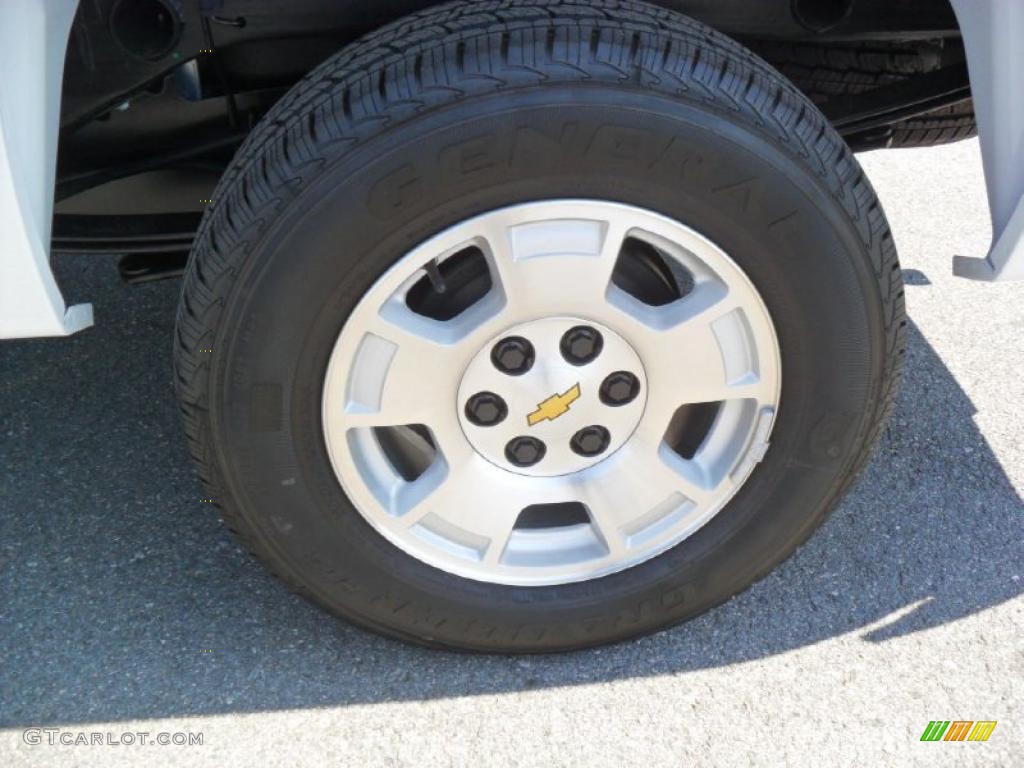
x=124, y=598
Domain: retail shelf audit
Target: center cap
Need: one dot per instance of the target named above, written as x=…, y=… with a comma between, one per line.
x=553, y=396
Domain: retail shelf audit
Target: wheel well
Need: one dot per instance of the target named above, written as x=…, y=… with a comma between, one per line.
x=158, y=95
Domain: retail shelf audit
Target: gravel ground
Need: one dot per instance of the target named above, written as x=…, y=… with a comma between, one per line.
x=127, y=608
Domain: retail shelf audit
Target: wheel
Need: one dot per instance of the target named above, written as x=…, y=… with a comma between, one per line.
x=526, y=326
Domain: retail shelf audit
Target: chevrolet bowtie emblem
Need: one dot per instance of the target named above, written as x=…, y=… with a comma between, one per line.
x=554, y=406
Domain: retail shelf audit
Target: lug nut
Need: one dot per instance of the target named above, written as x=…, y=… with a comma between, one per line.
x=485, y=409
x=581, y=344
x=619, y=388
x=590, y=441
x=525, y=451
x=513, y=355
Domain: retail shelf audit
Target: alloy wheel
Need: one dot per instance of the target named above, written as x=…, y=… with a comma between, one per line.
x=551, y=392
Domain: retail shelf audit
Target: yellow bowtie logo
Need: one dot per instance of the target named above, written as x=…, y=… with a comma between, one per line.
x=554, y=406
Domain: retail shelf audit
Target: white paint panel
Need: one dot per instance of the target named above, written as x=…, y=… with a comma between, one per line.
x=33, y=41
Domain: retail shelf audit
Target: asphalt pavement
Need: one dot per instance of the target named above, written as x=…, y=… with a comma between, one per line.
x=126, y=607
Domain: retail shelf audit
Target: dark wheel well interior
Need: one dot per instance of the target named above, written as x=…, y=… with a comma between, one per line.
x=159, y=94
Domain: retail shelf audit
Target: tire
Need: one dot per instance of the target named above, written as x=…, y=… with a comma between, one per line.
x=944, y=125
x=466, y=109
x=824, y=71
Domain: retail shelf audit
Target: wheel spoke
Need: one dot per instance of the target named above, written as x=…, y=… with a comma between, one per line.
x=417, y=375
x=639, y=479
x=534, y=263
x=698, y=351
x=467, y=502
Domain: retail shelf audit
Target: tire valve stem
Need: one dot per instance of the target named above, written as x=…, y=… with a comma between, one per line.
x=434, y=274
